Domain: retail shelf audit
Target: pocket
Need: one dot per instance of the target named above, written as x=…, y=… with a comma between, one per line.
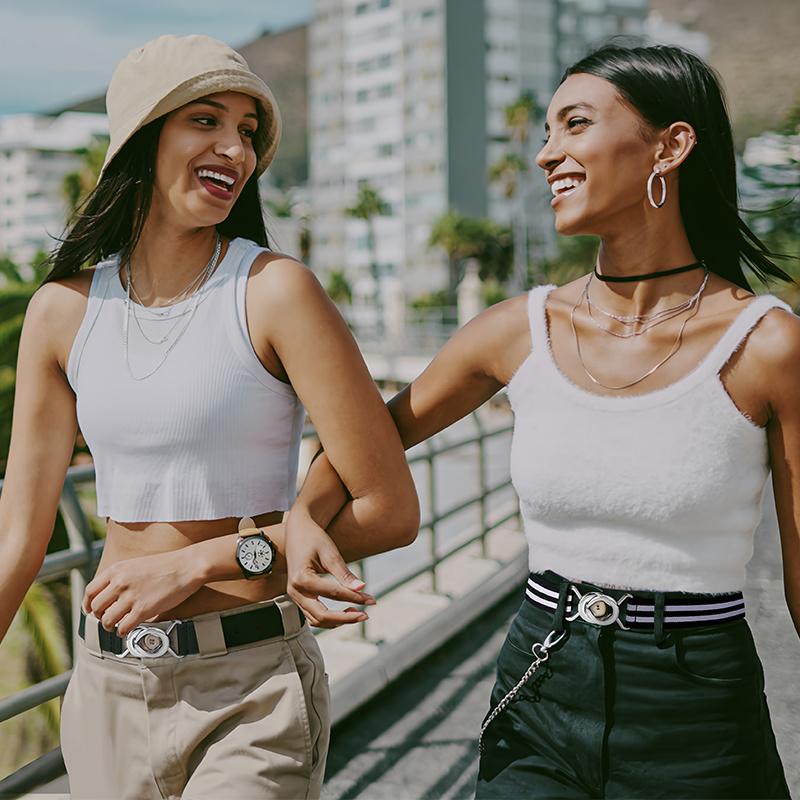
x=515, y=659
x=722, y=654
x=315, y=696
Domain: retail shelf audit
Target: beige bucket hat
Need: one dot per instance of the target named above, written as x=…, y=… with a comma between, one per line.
x=170, y=72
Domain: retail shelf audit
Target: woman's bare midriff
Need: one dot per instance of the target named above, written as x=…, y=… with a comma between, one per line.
x=132, y=540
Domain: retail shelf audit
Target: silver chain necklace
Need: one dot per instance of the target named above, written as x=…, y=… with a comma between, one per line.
x=165, y=309
x=189, y=314
x=649, y=372
x=647, y=320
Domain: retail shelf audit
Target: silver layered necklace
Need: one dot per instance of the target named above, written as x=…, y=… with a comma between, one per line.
x=163, y=312
x=645, y=323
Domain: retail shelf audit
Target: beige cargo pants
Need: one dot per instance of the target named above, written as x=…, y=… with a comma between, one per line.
x=252, y=722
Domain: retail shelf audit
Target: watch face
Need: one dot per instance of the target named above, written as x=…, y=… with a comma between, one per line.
x=255, y=554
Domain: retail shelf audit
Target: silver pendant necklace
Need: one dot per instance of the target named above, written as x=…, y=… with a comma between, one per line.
x=648, y=321
x=649, y=372
x=188, y=314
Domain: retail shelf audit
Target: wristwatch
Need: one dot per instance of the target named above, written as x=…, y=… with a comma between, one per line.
x=255, y=553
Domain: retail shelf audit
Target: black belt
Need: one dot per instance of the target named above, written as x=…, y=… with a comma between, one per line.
x=179, y=638
x=598, y=606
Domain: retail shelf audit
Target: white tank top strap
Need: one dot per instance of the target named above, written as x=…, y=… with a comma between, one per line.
x=537, y=319
x=104, y=273
x=738, y=331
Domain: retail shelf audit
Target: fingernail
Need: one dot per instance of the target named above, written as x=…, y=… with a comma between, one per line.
x=356, y=584
x=362, y=617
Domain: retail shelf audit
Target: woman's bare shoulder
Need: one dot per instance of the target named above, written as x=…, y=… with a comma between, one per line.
x=56, y=311
x=775, y=341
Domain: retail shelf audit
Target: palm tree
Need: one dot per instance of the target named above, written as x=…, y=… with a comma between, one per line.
x=464, y=238
x=520, y=116
x=369, y=205
x=77, y=185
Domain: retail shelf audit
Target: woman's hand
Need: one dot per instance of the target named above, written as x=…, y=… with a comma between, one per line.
x=138, y=590
x=310, y=553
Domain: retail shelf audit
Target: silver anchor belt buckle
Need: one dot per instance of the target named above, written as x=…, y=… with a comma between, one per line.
x=148, y=641
x=600, y=609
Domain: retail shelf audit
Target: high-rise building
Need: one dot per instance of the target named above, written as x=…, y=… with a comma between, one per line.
x=36, y=153
x=409, y=97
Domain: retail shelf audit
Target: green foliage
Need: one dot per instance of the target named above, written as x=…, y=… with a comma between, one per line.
x=771, y=193
x=520, y=116
x=439, y=299
x=14, y=299
x=493, y=293
x=338, y=287
x=464, y=238
x=507, y=169
x=576, y=257
x=35, y=648
x=791, y=123
x=76, y=186
x=369, y=204
x=282, y=207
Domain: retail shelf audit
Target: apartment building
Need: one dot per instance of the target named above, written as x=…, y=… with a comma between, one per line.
x=36, y=153
x=409, y=97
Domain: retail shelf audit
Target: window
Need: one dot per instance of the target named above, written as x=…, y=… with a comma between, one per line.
x=362, y=95
x=362, y=8
x=384, y=3
x=385, y=90
x=385, y=150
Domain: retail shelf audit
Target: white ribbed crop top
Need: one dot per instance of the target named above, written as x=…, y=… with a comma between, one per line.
x=659, y=491
x=211, y=433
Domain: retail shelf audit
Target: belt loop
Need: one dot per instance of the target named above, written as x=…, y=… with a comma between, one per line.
x=210, y=638
x=561, y=607
x=658, y=617
x=91, y=638
x=290, y=614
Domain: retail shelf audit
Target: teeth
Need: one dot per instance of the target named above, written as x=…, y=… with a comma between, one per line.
x=215, y=176
x=565, y=184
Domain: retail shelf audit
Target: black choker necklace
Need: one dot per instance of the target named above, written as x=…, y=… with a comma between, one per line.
x=647, y=276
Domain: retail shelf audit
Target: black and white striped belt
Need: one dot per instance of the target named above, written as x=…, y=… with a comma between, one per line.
x=630, y=611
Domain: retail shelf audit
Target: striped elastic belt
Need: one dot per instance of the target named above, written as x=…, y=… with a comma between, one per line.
x=597, y=606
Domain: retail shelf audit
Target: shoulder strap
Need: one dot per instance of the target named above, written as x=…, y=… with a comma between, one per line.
x=739, y=329
x=537, y=319
x=102, y=284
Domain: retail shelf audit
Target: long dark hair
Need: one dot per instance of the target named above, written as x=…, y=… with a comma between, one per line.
x=666, y=84
x=112, y=217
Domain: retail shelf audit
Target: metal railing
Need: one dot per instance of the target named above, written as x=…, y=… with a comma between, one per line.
x=80, y=560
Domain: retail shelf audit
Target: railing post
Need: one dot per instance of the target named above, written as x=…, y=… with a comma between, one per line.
x=482, y=479
x=432, y=503
x=80, y=540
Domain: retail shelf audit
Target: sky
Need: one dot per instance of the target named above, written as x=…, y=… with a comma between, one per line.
x=54, y=53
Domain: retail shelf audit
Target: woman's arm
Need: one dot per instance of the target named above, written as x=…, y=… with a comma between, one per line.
x=42, y=440
x=775, y=358
x=763, y=379
x=476, y=363
x=300, y=337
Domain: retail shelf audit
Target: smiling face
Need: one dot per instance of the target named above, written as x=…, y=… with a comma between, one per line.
x=597, y=158
x=205, y=157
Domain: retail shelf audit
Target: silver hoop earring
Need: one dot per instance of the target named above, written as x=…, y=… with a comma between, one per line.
x=658, y=175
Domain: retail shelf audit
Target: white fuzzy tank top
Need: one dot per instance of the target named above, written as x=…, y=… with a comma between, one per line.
x=210, y=434
x=659, y=491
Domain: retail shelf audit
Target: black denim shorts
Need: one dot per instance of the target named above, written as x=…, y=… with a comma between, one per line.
x=619, y=714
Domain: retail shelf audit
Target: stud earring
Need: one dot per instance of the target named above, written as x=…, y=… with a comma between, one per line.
x=656, y=174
